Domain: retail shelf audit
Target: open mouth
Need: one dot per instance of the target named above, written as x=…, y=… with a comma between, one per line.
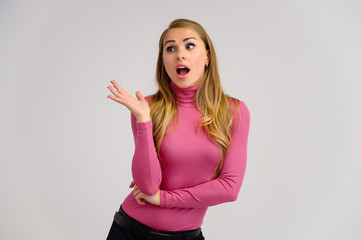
x=182, y=71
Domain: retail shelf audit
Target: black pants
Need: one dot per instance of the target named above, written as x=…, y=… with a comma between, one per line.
x=117, y=232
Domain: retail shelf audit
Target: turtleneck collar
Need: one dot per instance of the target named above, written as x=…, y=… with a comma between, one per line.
x=185, y=96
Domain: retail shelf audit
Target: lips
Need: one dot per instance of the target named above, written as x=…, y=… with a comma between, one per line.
x=182, y=71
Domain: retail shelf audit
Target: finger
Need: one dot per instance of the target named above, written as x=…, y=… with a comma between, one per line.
x=116, y=93
x=132, y=184
x=138, y=200
x=142, y=202
x=139, y=197
x=119, y=89
x=139, y=96
x=116, y=99
x=119, y=98
x=137, y=192
x=113, y=98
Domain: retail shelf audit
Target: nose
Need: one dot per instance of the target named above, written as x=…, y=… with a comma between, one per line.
x=181, y=54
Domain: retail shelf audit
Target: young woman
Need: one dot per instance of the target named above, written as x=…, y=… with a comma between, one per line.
x=190, y=141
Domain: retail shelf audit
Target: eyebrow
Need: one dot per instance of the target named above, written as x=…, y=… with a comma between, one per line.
x=184, y=40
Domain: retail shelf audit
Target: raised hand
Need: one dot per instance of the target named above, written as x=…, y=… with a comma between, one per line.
x=139, y=107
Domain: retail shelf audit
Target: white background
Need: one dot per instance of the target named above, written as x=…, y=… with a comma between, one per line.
x=66, y=148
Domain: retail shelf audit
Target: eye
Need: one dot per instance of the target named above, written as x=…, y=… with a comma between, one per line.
x=170, y=49
x=190, y=45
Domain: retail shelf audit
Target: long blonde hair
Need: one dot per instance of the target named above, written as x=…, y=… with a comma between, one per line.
x=211, y=101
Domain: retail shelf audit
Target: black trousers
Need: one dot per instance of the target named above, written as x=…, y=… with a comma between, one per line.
x=117, y=232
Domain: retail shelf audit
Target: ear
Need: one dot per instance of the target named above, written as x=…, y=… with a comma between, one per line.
x=208, y=57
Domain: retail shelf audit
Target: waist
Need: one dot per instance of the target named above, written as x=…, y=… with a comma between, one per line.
x=142, y=231
x=166, y=219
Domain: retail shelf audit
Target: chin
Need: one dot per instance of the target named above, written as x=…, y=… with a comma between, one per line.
x=182, y=83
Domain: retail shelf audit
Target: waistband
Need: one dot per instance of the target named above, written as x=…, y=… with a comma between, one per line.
x=142, y=231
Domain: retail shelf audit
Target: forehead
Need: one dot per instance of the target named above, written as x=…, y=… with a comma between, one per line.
x=178, y=34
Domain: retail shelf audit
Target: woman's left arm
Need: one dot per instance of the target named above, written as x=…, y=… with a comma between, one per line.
x=226, y=187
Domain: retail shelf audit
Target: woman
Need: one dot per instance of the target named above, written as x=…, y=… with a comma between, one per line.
x=190, y=141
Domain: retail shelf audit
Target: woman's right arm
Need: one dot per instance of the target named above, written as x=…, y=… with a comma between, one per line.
x=146, y=169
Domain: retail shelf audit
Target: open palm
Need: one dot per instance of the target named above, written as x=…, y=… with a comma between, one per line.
x=139, y=107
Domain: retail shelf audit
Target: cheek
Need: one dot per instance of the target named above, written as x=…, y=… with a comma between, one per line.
x=201, y=59
x=167, y=64
x=200, y=63
x=167, y=60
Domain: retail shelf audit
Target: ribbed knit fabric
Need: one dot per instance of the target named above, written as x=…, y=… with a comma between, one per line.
x=189, y=160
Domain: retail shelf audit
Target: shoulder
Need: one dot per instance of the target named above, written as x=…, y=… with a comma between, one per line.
x=149, y=98
x=240, y=111
x=236, y=104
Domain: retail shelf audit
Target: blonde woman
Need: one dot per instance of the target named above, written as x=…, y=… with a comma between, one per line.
x=190, y=141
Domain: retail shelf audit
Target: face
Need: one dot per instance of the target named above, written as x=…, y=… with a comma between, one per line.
x=184, y=56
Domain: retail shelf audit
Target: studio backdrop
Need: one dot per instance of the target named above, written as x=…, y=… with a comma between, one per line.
x=66, y=149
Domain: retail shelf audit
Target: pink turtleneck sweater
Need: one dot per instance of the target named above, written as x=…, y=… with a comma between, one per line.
x=189, y=161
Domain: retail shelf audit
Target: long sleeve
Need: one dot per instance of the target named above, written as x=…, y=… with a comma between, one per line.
x=189, y=158
x=146, y=169
x=226, y=187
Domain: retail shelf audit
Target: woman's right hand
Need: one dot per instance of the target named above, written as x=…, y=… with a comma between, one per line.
x=139, y=107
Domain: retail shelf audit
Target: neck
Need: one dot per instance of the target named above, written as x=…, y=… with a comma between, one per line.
x=185, y=96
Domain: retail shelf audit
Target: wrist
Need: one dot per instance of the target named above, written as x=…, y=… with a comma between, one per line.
x=143, y=119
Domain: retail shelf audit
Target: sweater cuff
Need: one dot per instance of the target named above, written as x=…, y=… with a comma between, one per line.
x=163, y=199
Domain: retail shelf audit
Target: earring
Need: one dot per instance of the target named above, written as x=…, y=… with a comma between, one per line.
x=206, y=65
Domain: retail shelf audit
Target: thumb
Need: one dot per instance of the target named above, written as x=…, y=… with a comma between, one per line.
x=139, y=96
